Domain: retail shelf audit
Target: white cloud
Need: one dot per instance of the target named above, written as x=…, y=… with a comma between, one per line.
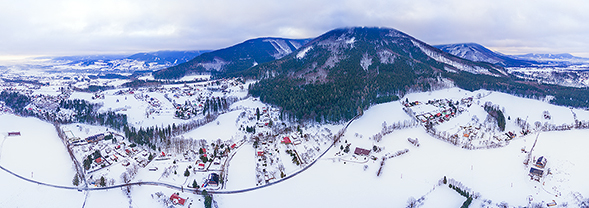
x=64, y=27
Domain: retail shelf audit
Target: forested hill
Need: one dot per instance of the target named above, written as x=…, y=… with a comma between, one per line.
x=349, y=69
x=235, y=58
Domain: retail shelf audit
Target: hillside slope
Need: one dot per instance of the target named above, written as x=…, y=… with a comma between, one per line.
x=235, y=58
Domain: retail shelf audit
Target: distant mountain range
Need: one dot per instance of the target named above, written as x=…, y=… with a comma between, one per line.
x=476, y=52
x=562, y=59
x=125, y=63
x=235, y=58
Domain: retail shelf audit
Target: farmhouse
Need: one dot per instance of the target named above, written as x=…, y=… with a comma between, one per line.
x=360, y=151
x=177, y=199
x=16, y=133
x=541, y=162
x=213, y=179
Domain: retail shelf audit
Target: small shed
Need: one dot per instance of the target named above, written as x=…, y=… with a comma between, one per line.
x=361, y=151
x=177, y=199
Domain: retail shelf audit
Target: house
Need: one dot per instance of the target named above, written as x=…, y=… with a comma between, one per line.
x=286, y=140
x=360, y=151
x=536, y=174
x=213, y=179
x=99, y=160
x=201, y=166
x=541, y=162
x=260, y=153
x=233, y=146
x=16, y=133
x=177, y=199
x=153, y=169
x=95, y=138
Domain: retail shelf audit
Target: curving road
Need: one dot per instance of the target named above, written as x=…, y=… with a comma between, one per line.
x=180, y=188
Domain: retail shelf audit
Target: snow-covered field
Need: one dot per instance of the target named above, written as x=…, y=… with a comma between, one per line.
x=37, y=154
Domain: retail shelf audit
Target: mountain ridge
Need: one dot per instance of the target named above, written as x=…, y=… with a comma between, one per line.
x=234, y=58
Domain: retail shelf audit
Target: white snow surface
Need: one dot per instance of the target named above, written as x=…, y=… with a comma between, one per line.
x=281, y=47
x=302, y=53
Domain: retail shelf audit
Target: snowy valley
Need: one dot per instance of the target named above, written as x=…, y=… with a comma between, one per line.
x=244, y=153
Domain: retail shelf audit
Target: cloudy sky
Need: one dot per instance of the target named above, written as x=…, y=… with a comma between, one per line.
x=75, y=27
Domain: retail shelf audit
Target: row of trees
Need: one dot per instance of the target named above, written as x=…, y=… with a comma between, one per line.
x=163, y=136
x=495, y=112
x=216, y=105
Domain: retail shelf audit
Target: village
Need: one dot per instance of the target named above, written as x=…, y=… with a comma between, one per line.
x=220, y=120
x=444, y=119
x=108, y=158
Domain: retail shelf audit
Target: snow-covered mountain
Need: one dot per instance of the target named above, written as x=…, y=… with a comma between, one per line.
x=479, y=53
x=347, y=68
x=235, y=58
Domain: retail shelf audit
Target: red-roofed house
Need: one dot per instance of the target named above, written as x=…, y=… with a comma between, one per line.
x=360, y=151
x=99, y=160
x=260, y=153
x=286, y=140
x=233, y=146
x=177, y=199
